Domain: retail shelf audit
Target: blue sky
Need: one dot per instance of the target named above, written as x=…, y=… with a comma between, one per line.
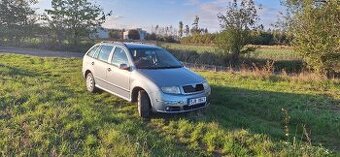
x=147, y=13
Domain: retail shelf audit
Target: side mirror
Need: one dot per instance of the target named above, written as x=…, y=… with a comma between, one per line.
x=124, y=67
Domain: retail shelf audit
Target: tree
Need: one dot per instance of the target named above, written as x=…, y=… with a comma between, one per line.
x=187, y=30
x=115, y=34
x=315, y=28
x=152, y=36
x=133, y=34
x=195, y=26
x=236, y=23
x=206, y=31
x=73, y=19
x=17, y=19
x=180, y=29
x=157, y=29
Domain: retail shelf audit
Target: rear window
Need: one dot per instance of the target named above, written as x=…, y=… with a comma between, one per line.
x=105, y=53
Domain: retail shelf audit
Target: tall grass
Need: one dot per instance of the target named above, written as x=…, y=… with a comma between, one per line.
x=261, y=52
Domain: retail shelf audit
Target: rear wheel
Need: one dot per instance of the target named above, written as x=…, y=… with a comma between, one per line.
x=144, y=105
x=90, y=84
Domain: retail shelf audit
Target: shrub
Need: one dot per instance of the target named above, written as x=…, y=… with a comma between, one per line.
x=315, y=26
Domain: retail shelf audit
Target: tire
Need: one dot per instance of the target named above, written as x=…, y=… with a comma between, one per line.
x=144, y=105
x=90, y=83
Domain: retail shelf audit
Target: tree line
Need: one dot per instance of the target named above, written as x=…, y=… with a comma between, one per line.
x=256, y=37
x=311, y=26
x=66, y=24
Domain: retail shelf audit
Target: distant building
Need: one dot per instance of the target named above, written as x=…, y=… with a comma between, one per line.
x=142, y=34
x=100, y=33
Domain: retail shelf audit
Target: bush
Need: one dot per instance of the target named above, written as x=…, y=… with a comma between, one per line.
x=315, y=26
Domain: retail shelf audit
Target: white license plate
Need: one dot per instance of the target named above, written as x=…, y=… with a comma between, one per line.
x=197, y=101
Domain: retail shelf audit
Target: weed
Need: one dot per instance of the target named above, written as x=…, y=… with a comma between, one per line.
x=46, y=110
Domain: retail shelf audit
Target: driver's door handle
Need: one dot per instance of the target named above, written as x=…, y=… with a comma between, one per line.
x=108, y=69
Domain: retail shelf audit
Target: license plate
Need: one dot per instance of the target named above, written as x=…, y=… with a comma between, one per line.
x=197, y=101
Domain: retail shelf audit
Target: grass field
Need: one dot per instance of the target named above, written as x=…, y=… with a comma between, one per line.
x=262, y=52
x=45, y=110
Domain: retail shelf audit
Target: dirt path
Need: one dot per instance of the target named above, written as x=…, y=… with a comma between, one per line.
x=42, y=53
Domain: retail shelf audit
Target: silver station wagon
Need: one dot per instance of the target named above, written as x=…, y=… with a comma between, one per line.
x=146, y=74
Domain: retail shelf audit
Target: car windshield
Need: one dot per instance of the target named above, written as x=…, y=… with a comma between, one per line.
x=153, y=58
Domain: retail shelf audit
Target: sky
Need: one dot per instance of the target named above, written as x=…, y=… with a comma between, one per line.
x=146, y=14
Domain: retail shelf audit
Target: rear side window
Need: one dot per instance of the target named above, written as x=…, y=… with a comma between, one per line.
x=119, y=57
x=105, y=53
x=92, y=51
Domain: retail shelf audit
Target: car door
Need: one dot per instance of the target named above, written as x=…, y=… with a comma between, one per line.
x=119, y=79
x=101, y=66
x=89, y=58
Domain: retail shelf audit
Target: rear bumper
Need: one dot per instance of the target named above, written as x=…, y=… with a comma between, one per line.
x=167, y=103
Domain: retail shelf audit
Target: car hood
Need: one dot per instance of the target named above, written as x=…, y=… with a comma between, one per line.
x=171, y=77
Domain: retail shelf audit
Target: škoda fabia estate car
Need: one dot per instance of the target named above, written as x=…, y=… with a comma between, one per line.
x=146, y=74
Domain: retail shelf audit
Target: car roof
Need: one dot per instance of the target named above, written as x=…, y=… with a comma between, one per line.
x=139, y=45
x=131, y=45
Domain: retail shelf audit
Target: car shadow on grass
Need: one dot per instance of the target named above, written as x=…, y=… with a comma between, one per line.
x=278, y=115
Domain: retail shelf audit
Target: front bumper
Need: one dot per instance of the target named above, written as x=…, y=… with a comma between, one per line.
x=169, y=103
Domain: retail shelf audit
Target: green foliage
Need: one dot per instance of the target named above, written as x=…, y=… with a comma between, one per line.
x=45, y=110
x=180, y=29
x=73, y=19
x=195, y=26
x=152, y=36
x=256, y=37
x=17, y=20
x=116, y=34
x=133, y=34
x=260, y=37
x=199, y=39
x=231, y=42
x=315, y=26
x=236, y=23
x=187, y=30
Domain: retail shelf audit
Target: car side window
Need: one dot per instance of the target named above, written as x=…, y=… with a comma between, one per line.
x=93, y=51
x=119, y=57
x=105, y=53
x=95, y=55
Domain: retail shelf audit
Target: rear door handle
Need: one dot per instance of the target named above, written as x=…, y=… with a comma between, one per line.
x=109, y=69
x=92, y=63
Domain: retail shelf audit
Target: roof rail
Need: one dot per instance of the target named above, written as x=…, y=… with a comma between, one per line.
x=132, y=42
x=113, y=42
x=143, y=42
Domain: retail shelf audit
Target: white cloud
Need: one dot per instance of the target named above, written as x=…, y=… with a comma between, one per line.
x=208, y=11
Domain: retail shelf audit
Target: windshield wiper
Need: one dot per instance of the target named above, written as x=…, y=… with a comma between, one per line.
x=169, y=67
x=165, y=67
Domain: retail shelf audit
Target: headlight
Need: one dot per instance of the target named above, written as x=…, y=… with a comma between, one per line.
x=206, y=85
x=171, y=90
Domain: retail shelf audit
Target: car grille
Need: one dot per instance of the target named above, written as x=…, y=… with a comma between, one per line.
x=193, y=88
x=187, y=107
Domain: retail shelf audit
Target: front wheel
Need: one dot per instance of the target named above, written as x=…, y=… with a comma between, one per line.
x=90, y=84
x=144, y=105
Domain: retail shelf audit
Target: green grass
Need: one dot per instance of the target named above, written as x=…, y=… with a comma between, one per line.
x=262, y=52
x=275, y=53
x=46, y=110
x=184, y=47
